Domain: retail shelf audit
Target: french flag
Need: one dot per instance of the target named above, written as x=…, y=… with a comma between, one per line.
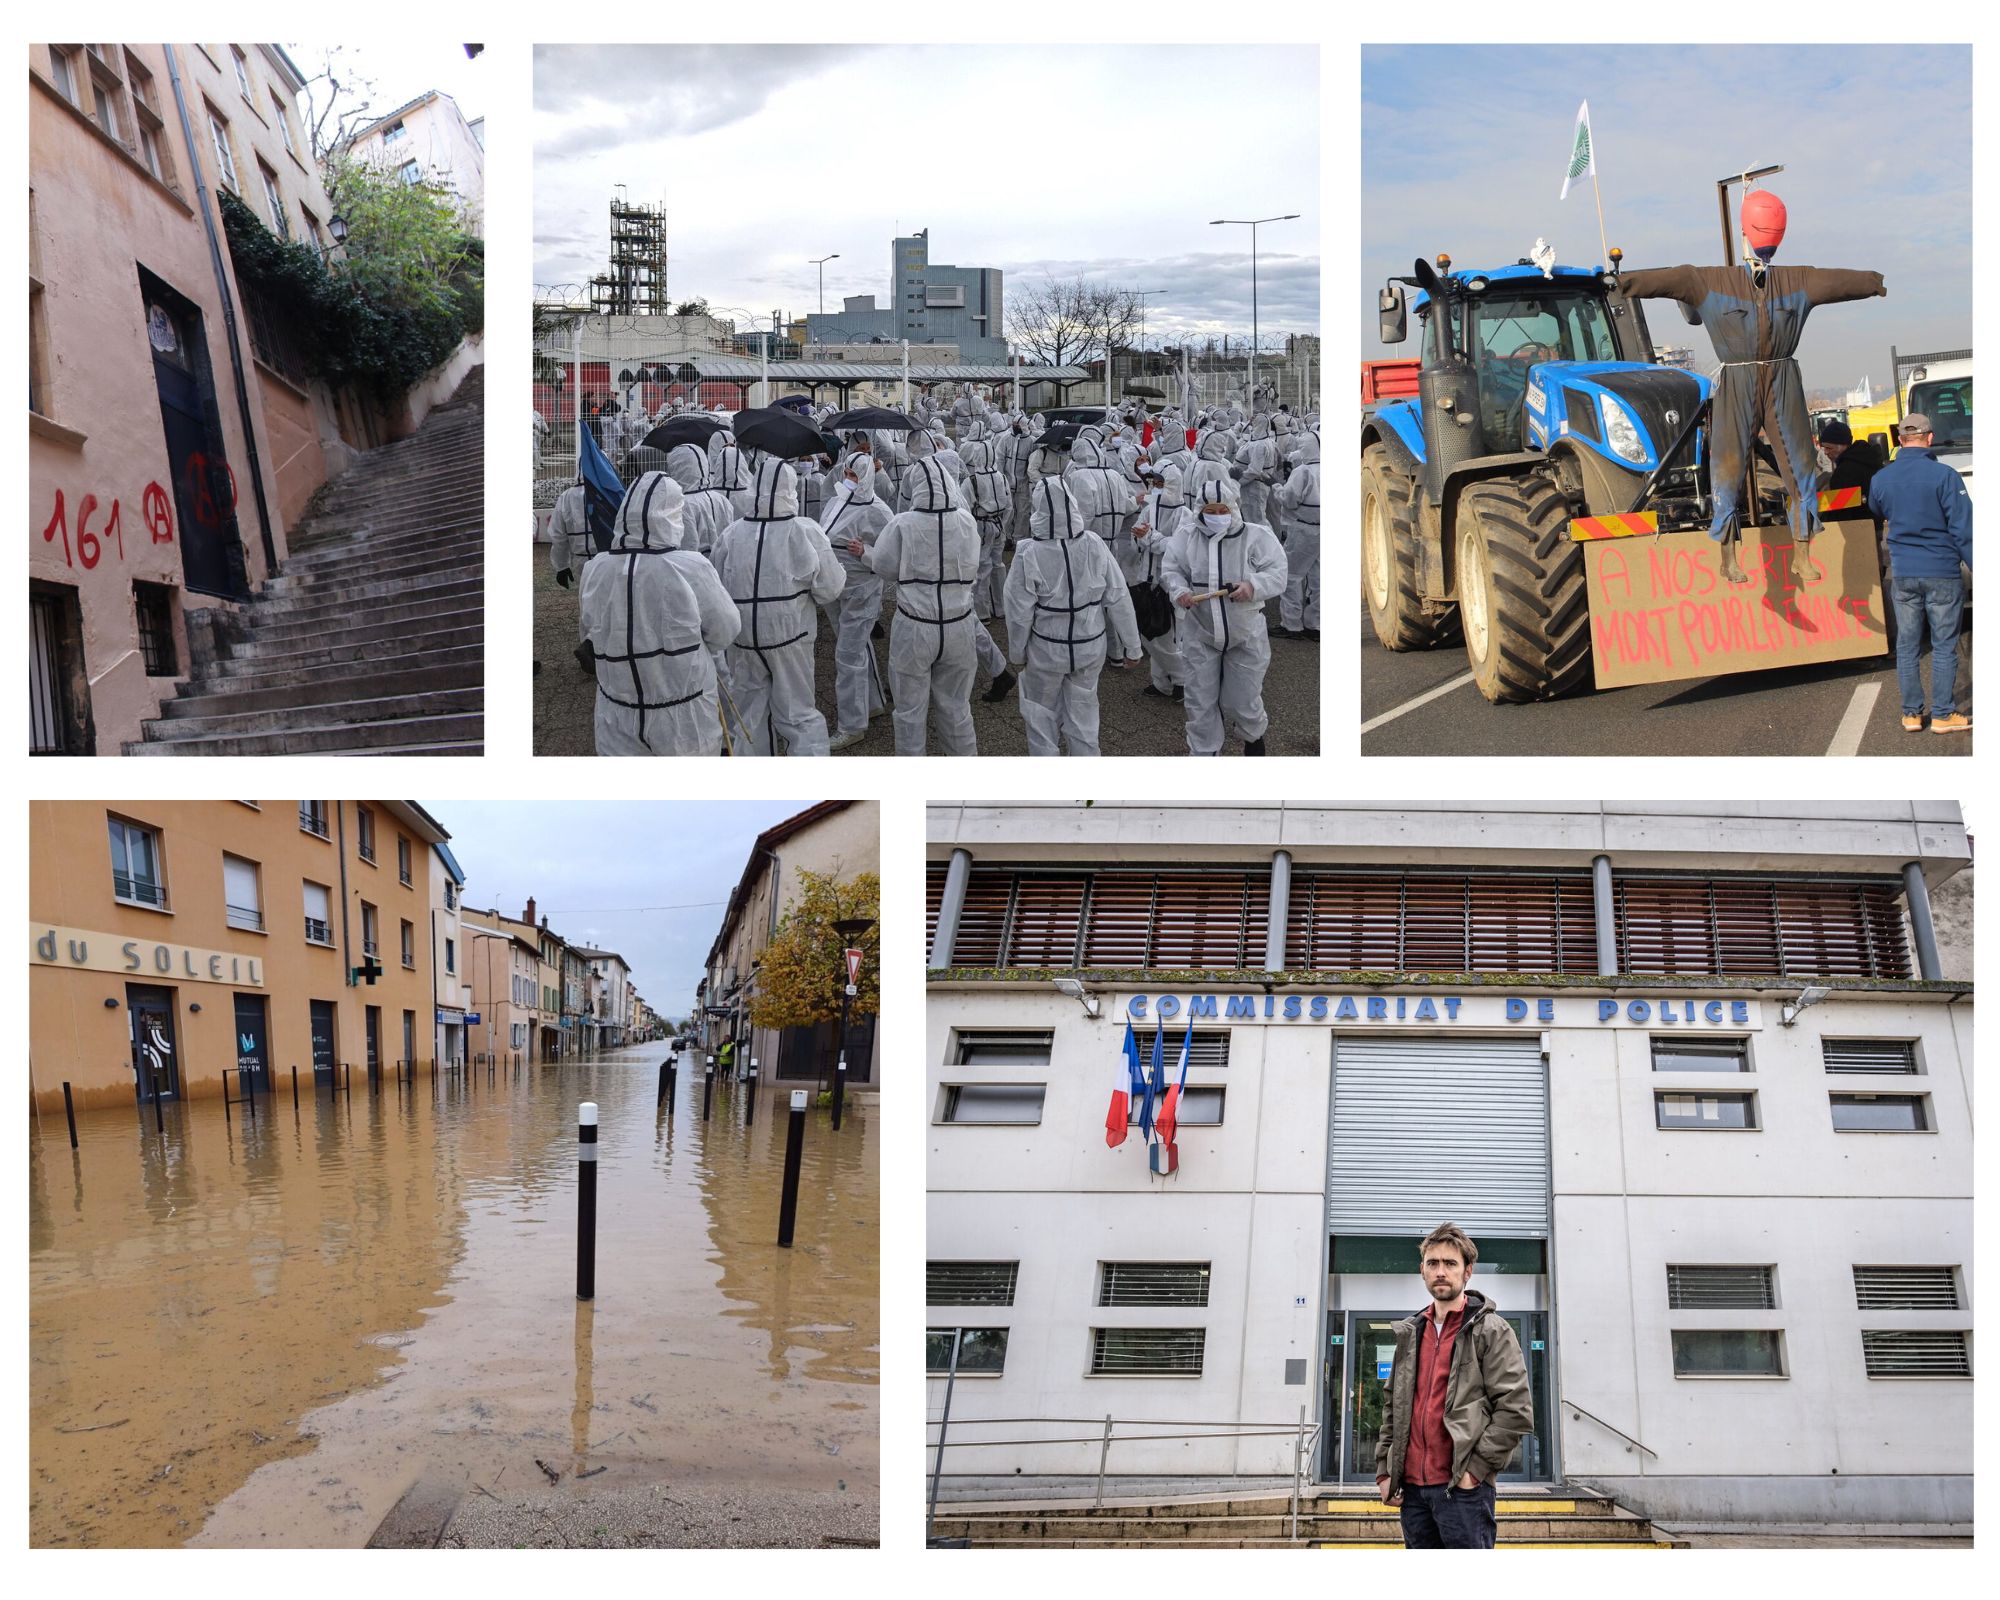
x=1119, y=1117
x=1170, y=1109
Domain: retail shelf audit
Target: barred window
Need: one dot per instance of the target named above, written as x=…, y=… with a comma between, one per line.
x=1906, y=1288
x=970, y=1283
x=1762, y=926
x=153, y=606
x=1869, y=1055
x=270, y=341
x=1721, y=1289
x=312, y=817
x=1932, y=1353
x=1146, y=1352
x=1152, y=1283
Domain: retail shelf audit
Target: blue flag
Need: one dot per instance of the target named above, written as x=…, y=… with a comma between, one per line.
x=1147, y=1090
x=602, y=490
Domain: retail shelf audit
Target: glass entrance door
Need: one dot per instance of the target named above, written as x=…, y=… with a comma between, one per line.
x=1369, y=1352
x=150, y=1012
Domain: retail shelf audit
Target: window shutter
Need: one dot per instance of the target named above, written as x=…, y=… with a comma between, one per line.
x=970, y=1283
x=1905, y=1289
x=1869, y=1055
x=1720, y=1289
x=1936, y=1353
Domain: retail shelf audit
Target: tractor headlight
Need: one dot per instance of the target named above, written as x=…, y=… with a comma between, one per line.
x=1621, y=432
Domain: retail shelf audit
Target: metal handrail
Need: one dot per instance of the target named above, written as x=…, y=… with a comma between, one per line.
x=1594, y=1417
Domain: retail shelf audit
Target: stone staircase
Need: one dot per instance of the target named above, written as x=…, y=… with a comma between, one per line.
x=371, y=639
x=1571, y=1517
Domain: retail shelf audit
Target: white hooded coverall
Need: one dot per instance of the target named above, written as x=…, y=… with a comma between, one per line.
x=653, y=613
x=931, y=553
x=1224, y=649
x=1064, y=592
x=854, y=513
x=1300, y=498
x=777, y=566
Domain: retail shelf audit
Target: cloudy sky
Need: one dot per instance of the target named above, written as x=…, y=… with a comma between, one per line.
x=599, y=871
x=1464, y=149
x=735, y=140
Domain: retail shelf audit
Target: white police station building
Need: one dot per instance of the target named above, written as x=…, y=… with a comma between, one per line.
x=1696, y=1077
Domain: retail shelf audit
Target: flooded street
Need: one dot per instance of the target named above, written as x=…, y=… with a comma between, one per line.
x=267, y=1333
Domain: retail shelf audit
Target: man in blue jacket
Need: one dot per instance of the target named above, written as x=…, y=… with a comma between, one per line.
x=1929, y=514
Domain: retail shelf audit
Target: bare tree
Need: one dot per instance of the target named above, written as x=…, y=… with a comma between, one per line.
x=1066, y=322
x=341, y=101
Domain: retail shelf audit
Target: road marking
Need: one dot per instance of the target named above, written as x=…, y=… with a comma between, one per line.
x=1854, y=722
x=1421, y=700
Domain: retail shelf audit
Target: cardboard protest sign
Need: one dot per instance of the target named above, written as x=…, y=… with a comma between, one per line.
x=1660, y=608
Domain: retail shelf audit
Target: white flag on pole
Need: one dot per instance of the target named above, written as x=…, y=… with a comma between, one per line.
x=1582, y=153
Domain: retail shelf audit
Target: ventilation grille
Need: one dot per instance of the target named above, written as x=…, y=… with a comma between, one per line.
x=1152, y=1283
x=1906, y=1289
x=970, y=1283
x=1141, y=1352
x=1869, y=1055
x=1916, y=1355
x=1720, y=1289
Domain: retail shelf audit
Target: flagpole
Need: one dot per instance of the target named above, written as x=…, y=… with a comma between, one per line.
x=1599, y=198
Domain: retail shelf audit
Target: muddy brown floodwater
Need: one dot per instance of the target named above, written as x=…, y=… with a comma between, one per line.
x=265, y=1333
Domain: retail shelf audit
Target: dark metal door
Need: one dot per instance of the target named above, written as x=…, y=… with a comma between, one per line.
x=322, y=1039
x=373, y=1016
x=155, y=1063
x=204, y=486
x=253, y=1051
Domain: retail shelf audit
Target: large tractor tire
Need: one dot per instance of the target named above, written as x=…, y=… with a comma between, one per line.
x=1392, y=559
x=1521, y=593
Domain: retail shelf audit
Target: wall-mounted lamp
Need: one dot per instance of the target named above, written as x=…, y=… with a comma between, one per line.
x=1788, y=1011
x=194, y=1006
x=110, y=1003
x=1073, y=987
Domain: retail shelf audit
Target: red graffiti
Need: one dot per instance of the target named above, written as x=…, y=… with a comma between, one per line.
x=200, y=474
x=90, y=543
x=159, y=514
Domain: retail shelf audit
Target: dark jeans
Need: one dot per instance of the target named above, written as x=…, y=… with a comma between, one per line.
x=1940, y=602
x=1442, y=1517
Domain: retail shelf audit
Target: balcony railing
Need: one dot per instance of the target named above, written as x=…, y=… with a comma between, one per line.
x=318, y=932
x=146, y=891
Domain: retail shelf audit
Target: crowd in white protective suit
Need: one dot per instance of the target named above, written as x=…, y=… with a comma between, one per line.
x=1149, y=539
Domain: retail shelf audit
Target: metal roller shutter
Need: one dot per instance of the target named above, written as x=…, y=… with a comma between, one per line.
x=1439, y=1130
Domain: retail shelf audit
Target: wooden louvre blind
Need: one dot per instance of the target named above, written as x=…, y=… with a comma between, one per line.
x=1177, y=919
x=1441, y=922
x=933, y=902
x=1784, y=927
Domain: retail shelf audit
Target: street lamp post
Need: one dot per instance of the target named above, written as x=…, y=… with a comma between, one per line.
x=1252, y=223
x=820, y=262
x=850, y=930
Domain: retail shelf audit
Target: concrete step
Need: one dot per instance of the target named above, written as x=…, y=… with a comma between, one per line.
x=394, y=644
x=374, y=498
x=470, y=747
x=373, y=600
x=374, y=631
x=417, y=674
x=414, y=734
x=413, y=544
x=297, y=718
x=378, y=569
x=1229, y=1529
x=444, y=518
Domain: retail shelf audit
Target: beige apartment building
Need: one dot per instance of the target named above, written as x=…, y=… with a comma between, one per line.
x=428, y=140
x=504, y=968
x=171, y=940
x=841, y=837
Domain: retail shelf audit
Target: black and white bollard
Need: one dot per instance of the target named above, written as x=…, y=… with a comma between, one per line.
x=750, y=1095
x=295, y=1088
x=707, y=1087
x=795, y=1146
x=660, y=1098
x=69, y=1111
x=586, y=1200
x=673, y=1081
x=839, y=1089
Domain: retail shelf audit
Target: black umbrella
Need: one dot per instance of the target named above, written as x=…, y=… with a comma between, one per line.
x=776, y=432
x=683, y=430
x=833, y=442
x=874, y=417
x=1058, y=435
x=796, y=402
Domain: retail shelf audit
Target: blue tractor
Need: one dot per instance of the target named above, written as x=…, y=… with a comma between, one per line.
x=1538, y=403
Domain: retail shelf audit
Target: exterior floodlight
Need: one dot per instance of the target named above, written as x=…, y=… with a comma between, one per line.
x=1788, y=1012
x=1073, y=987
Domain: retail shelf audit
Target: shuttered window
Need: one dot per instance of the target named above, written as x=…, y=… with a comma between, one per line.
x=1938, y=1353
x=1762, y=926
x=1440, y=922
x=1146, y=1352
x=1152, y=1283
x=1906, y=1288
x=1721, y=1289
x=970, y=1283
x=1869, y=1055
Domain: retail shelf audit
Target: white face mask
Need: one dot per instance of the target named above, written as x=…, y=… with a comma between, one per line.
x=1216, y=522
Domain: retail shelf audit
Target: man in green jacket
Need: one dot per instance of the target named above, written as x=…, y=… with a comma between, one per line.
x=1456, y=1406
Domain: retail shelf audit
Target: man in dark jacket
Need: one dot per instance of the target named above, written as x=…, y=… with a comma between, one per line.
x=1456, y=1406
x=1929, y=514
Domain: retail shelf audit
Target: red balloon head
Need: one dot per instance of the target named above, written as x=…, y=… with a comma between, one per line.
x=1763, y=222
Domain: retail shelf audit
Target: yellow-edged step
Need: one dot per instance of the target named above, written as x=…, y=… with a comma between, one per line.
x=1503, y=1508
